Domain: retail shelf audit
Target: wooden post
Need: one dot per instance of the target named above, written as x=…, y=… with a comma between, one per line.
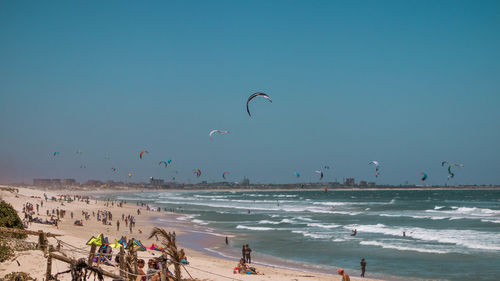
x=136, y=267
x=122, y=262
x=40, y=240
x=164, y=268
x=45, y=244
x=48, y=274
x=91, y=254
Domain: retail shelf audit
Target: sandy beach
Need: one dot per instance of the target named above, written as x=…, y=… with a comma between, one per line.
x=202, y=266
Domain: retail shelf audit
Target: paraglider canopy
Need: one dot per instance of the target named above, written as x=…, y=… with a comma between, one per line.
x=424, y=176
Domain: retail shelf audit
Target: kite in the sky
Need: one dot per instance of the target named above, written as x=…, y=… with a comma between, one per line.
x=443, y=163
x=297, y=174
x=327, y=167
x=169, y=160
x=142, y=152
x=79, y=152
x=129, y=175
x=450, y=173
x=222, y=132
x=197, y=172
x=424, y=176
x=163, y=162
x=56, y=153
x=377, y=164
x=113, y=169
x=254, y=96
x=224, y=174
x=320, y=173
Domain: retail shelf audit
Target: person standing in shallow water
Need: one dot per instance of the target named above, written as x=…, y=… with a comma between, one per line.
x=243, y=251
x=248, y=251
x=363, y=267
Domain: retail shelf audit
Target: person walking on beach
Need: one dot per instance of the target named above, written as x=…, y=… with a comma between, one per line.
x=363, y=267
x=227, y=241
x=248, y=251
x=118, y=225
x=345, y=277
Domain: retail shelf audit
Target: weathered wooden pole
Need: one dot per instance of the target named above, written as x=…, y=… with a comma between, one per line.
x=91, y=254
x=163, y=267
x=122, y=262
x=48, y=274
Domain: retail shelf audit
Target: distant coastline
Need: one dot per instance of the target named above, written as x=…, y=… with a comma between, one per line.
x=257, y=187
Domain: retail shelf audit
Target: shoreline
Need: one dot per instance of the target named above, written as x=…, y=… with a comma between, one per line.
x=33, y=262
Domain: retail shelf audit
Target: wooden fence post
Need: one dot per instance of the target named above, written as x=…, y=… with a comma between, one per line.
x=48, y=274
x=122, y=262
x=40, y=240
x=164, y=267
x=45, y=244
x=91, y=254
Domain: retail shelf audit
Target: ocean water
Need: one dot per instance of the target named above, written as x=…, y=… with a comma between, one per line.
x=450, y=234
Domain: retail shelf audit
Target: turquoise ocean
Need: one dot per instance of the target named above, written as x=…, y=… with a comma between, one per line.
x=450, y=234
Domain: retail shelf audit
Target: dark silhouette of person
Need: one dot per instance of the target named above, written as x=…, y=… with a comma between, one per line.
x=354, y=232
x=227, y=241
x=248, y=251
x=363, y=267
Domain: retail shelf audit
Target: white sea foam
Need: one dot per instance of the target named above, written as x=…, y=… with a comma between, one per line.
x=259, y=228
x=268, y=222
x=312, y=235
x=330, y=203
x=402, y=248
x=465, y=238
x=321, y=225
x=338, y=240
x=200, y=222
x=438, y=207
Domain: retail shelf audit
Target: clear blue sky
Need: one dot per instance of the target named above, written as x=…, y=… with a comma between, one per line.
x=407, y=83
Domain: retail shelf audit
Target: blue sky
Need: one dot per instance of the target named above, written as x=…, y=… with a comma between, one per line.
x=407, y=83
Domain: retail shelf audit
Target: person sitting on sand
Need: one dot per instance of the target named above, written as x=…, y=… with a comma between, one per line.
x=140, y=272
x=345, y=277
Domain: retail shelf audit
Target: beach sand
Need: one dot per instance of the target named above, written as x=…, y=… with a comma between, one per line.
x=202, y=266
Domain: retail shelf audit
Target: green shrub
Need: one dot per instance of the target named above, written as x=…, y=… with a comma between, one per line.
x=5, y=251
x=10, y=219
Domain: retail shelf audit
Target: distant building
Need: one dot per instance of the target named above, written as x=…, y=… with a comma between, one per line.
x=349, y=182
x=363, y=184
x=371, y=184
x=47, y=182
x=94, y=183
x=69, y=182
x=156, y=182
